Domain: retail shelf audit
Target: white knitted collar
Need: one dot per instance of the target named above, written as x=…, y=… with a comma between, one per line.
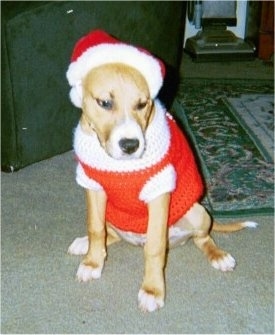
x=90, y=152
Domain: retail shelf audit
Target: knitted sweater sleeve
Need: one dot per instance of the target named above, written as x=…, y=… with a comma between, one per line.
x=162, y=182
x=86, y=182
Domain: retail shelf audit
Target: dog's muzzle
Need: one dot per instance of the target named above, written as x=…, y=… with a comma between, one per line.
x=126, y=141
x=129, y=145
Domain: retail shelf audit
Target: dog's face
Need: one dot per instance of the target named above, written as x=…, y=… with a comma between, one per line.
x=117, y=106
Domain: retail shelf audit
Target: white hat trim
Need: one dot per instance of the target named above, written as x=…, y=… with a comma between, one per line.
x=106, y=53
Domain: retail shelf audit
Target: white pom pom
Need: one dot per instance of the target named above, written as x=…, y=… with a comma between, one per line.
x=76, y=95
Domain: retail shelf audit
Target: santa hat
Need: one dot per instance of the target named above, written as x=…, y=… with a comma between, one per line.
x=98, y=48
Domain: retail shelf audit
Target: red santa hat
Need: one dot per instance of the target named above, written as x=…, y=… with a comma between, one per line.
x=98, y=48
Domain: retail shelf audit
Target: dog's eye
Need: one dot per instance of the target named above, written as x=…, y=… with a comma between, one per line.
x=105, y=104
x=140, y=105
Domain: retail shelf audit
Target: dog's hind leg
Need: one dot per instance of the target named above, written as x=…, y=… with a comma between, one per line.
x=112, y=236
x=218, y=258
x=80, y=245
x=197, y=222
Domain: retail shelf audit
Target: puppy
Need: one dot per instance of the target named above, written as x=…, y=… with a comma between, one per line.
x=133, y=190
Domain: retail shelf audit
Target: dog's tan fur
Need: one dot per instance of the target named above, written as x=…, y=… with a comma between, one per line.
x=112, y=93
x=126, y=89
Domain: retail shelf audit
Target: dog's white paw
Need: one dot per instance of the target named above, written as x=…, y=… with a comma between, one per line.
x=225, y=263
x=86, y=273
x=148, y=302
x=79, y=246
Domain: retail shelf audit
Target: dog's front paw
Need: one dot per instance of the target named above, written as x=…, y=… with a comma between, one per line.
x=79, y=246
x=224, y=263
x=149, y=302
x=87, y=272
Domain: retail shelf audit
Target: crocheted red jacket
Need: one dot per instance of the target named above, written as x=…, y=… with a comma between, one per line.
x=124, y=208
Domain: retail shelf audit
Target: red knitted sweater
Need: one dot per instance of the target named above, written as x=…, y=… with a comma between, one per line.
x=124, y=209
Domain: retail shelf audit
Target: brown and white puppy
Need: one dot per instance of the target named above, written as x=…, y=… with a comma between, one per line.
x=117, y=110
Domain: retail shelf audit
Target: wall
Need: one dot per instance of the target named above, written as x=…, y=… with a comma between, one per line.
x=239, y=30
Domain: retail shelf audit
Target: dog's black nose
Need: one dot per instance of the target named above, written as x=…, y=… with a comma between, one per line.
x=129, y=145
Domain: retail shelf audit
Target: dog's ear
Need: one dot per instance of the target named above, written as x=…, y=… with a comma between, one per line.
x=76, y=94
x=86, y=124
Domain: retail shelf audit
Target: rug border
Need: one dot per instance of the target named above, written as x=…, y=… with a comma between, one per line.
x=247, y=129
x=176, y=106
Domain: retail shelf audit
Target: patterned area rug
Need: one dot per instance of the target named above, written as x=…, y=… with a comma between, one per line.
x=231, y=126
